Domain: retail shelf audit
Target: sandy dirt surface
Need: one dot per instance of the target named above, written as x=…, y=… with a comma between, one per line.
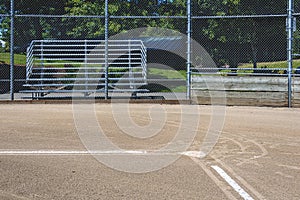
x=42, y=155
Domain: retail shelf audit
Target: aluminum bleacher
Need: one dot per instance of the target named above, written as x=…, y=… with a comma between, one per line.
x=85, y=67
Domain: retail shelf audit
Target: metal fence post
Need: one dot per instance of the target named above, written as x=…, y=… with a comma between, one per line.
x=106, y=49
x=12, y=16
x=188, y=67
x=130, y=72
x=85, y=70
x=42, y=69
x=290, y=49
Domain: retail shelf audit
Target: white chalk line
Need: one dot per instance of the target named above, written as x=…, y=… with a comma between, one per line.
x=64, y=152
x=219, y=183
x=232, y=183
x=196, y=154
x=193, y=154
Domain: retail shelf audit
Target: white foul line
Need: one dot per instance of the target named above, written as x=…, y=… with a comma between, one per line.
x=232, y=183
x=99, y=152
x=194, y=154
x=66, y=152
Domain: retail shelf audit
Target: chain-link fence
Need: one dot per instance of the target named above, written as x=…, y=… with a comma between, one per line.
x=247, y=41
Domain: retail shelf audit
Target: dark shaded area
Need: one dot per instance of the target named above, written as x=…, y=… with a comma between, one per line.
x=19, y=77
x=297, y=71
x=155, y=87
x=166, y=58
x=236, y=41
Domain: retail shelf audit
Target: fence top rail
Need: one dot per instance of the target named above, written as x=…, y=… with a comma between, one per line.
x=148, y=16
x=238, y=16
x=71, y=41
x=199, y=70
x=120, y=46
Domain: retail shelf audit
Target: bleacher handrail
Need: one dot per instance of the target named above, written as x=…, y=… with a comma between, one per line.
x=51, y=61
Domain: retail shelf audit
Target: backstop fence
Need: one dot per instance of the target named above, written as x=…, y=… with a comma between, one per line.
x=254, y=46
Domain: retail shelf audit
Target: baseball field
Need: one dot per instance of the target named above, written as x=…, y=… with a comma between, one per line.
x=48, y=151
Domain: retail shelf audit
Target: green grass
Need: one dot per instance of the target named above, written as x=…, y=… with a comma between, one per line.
x=167, y=73
x=279, y=67
x=277, y=64
x=19, y=59
x=181, y=88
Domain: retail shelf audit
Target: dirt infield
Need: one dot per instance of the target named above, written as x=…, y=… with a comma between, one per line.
x=43, y=157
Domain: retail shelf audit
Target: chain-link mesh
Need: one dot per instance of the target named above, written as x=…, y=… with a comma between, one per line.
x=4, y=56
x=297, y=6
x=238, y=8
x=244, y=38
x=166, y=71
x=236, y=43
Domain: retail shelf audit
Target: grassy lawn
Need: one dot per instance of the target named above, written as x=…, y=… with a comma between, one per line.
x=168, y=73
x=20, y=59
x=277, y=64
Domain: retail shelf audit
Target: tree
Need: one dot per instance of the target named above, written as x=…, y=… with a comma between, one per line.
x=29, y=28
x=257, y=37
x=94, y=28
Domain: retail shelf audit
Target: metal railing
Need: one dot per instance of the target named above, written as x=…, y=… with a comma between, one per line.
x=191, y=15
x=62, y=66
x=29, y=60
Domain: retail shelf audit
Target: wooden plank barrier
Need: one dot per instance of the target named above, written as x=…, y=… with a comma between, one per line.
x=296, y=92
x=244, y=90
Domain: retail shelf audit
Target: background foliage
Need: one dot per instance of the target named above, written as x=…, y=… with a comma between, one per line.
x=229, y=40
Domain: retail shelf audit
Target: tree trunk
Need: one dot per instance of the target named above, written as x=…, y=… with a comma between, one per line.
x=254, y=54
x=254, y=47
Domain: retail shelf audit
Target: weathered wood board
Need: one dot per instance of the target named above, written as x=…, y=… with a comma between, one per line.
x=250, y=91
